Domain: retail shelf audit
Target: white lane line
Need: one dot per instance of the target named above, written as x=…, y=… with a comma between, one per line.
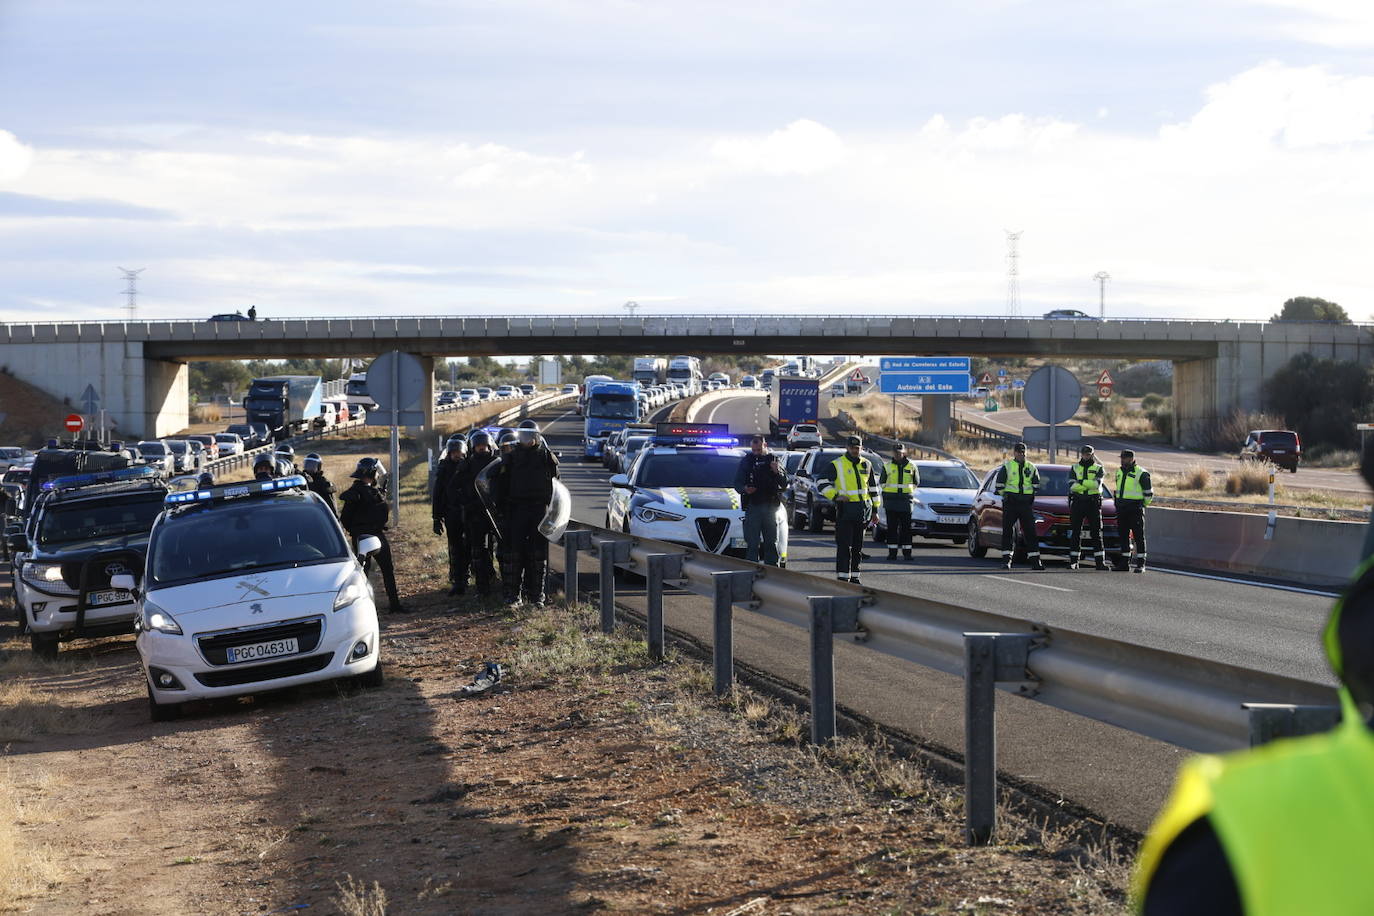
x=1024, y=582
x=1282, y=588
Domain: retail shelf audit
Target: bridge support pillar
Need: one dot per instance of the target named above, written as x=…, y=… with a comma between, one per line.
x=427, y=397
x=935, y=415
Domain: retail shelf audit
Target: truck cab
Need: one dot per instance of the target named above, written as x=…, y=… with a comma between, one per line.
x=610, y=406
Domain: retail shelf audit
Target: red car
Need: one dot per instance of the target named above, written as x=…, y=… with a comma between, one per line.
x=1051, y=516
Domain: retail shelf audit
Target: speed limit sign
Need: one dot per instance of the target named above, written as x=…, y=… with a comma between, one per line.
x=1104, y=391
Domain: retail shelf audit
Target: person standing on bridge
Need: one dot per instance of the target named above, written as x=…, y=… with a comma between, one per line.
x=1085, y=506
x=900, y=480
x=448, y=517
x=1017, y=483
x=1287, y=827
x=1134, y=493
x=761, y=481
x=252, y=313
x=852, y=485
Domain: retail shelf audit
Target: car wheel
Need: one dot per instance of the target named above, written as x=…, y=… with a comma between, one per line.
x=44, y=645
x=794, y=515
x=161, y=712
x=374, y=678
x=815, y=522
x=975, y=547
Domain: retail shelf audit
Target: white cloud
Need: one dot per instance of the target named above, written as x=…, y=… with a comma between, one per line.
x=1338, y=23
x=14, y=157
x=801, y=148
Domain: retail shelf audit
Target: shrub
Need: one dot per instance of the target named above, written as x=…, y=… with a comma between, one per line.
x=1152, y=401
x=1194, y=477
x=206, y=413
x=1248, y=480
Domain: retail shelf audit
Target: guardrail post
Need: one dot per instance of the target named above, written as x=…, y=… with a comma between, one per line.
x=607, y=550
x=1269, y=721
x=659, y=567
x=828, y=617
x=573, y=542
x=988, y=658
x=729, y=588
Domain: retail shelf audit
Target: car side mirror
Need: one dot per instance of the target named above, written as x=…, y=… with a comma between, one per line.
x=19, y=542
x=369, y=545
x=621, y=481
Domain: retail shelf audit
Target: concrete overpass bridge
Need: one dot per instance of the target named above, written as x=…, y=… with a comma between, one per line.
x=139, y=367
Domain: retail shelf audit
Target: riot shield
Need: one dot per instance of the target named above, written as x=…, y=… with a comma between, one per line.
x=560, y=510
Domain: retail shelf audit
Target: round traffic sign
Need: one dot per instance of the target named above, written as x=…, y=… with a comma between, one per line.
x=1104, y=391
x=74, y=422
x=1052, y=394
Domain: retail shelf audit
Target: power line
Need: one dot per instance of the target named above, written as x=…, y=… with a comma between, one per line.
x=131, y=291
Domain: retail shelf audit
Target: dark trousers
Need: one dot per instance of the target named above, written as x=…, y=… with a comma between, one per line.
x=383, y=558
x=529, y=551
x=459, y=558
x=480, y=538
x=1085, y=511
x=1130, y=521
x=849, y=542
x=899, y=530
x=1019, y=509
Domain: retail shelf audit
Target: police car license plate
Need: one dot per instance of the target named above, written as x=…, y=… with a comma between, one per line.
x=114, y=596
x=951, y=519
x=738, y=542
x=262, y=650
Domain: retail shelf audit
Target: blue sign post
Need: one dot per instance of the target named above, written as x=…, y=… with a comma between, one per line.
x=925, y=375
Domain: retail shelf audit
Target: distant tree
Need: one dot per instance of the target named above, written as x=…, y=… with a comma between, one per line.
x=1310, y=308
x=208, y=379
x=1322, y=399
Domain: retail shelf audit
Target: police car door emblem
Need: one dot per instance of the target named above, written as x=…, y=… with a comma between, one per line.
x=252, y=585
x=255, y=608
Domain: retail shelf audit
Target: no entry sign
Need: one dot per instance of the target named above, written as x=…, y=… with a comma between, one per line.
x=74, y=423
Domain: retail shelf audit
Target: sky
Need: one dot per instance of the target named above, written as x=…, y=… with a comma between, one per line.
x=422, y=157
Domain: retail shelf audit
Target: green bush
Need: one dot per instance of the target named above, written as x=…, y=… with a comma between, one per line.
x=1152, y=401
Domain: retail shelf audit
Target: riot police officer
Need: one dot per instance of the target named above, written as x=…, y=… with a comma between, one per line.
x=449, y=518
x=1085, y=507
x=505, y=557
x=285, y=453
x=1017, y=482
x=264, y=467
x=524, y=489
x=462, y=501
x=365, y=514
x=316, y=482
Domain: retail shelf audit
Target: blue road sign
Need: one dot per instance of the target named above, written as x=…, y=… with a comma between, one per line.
x=925, y=375
x=1002, y=373
x=1018, y=383
x=1001, y=388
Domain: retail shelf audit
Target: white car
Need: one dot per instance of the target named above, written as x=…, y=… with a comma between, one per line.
x=804, y=435
x=251, y=587
x=942, y=503
x=682, y=491
x=467, y=396
x=507, y=391
x=229, y=444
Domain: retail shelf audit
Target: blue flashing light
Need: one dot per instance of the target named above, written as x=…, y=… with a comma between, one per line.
x=73, y=481
x=234, y=490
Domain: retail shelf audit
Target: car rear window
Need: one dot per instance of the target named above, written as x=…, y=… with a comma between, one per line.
x=1281, y=439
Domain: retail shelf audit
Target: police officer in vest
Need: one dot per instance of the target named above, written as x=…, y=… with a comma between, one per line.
x=1085, y=506
x=1284, y=828
x=1134, y=493
x=852, y=485
x=1018, y=481
x=465, y=503
x=524, y=486
x=900, y=480
x=316, y=482
x=449, y=517
x=760, y=481
x=365, y=514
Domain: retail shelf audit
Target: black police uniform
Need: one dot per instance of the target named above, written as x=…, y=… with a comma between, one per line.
x=451, y=515
x=365, y=513
x=463, y=501
x=524, y=489
x=318, y=483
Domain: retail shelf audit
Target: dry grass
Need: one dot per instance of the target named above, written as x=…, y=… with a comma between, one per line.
x=27, y=712
x=1194, y=477
x=26, y=869
x=1248, y=480
x=207, y=413
x=872, y=413
x=355, y=898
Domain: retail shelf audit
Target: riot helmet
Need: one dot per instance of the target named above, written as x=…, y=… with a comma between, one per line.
x=367, y=467
x=206, y=479
x=312, y=464
x=480, y=439
x=527, y=433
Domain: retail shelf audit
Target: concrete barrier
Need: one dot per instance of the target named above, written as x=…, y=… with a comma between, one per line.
x=1310, y=551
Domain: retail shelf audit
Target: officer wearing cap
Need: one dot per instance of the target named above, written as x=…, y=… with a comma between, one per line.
x=1085, y=507
x=900, y=480
x=448, y=517
x=851, y=483
x=316, y=482
x=1134, y=492
x=465, y=503
x=1017, y=482
x=524, y=487
x=365, y=513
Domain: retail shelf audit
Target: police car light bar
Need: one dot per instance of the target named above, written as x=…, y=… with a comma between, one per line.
x=694, y=434
x=73, y=481
x=234, y=490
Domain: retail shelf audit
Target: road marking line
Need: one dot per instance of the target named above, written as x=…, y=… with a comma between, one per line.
x=1024, y=582
x=1273, y=585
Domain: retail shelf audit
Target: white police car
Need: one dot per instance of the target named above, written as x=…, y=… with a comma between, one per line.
x=681, y=490
x=250, y=587
x=941, y=504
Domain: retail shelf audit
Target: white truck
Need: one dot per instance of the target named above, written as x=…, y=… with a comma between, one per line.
x=649, y=370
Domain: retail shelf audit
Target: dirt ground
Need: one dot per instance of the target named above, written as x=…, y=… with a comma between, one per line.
x=591, y=779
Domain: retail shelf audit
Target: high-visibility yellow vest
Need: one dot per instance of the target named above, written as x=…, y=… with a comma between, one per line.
x=849, y=483
x=1018, y=483
x=1086, y=480
x=1128, y=485
x=900, y=478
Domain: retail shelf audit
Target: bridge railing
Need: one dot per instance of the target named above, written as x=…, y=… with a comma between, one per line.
x=1190, y=702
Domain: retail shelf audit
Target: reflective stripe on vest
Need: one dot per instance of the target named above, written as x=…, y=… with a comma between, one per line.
x=893, y=482
x=1294, y=817
x=1018, y=483
x=847, y=483
x=1128, y=485
x=1087, y=480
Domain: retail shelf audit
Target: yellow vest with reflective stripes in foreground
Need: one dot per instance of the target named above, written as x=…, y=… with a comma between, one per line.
x=1128, y=485
x=1019, y=484
x=899, y=479
x=1087, y=481
x=847, y=483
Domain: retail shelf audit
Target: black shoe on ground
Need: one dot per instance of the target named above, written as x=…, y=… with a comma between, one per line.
x=399, y=609
x=906, y=555
x=1101, y=564
x=854, y=580
x=1038, y=564
x=458, y=589
x=1073, y=564
x=1007, y=563
x=892, y=554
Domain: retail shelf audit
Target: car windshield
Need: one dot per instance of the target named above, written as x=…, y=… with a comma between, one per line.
x=947, y=478
x=152, y=448
x=96, y=518
x=793, y=461
x=613, y=406
x=634, y=444
x=250, y=534
x=705, y=468
x=177, y=447
x=226, y=437
x=804, y=428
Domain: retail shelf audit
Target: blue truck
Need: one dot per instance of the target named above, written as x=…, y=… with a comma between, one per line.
x=609, y=406
x=793, y=400
x=286, y=403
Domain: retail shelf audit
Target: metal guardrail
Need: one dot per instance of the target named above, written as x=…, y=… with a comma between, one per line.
x=1193, y=703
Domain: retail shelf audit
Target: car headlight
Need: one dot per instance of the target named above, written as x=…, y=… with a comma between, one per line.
x=650, y=514
x=1039, y=518
x=352, y=590
x=155, y=618
x=43, y=573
